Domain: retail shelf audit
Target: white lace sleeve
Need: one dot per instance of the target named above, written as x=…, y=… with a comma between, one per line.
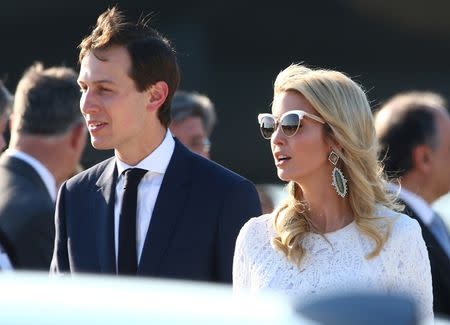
x=241, y=265
x=413, y=265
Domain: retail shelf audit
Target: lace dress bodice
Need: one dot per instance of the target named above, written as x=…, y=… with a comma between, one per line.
x=337, y=263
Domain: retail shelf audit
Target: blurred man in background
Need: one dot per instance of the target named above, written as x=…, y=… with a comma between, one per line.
x=47, y=138
x=414, y=134
x=5, y=104
x=193, y=119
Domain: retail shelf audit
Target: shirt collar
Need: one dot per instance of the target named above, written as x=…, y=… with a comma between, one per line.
x=415, y=202
x=44, y=173
x=157, y=161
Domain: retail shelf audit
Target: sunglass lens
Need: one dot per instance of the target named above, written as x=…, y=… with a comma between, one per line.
x=267, y=127
x=290, y=124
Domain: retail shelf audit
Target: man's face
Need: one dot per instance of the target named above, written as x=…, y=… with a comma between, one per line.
x=192, y=134
x=115, y=111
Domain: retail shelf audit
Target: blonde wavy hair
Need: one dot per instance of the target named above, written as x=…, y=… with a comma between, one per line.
x=343, y=104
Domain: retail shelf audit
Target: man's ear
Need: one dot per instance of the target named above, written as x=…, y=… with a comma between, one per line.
x=422, y=156
x=78, y=136
x=158, y=93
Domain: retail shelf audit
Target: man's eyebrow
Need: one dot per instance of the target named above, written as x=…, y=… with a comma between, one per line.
x=101, y=81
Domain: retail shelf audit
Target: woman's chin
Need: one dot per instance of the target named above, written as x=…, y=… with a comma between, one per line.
x=283, y=176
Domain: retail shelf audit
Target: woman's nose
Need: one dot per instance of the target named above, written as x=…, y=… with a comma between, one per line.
x=277, y=136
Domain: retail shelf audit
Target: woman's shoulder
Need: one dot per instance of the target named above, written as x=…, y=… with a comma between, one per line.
x=402, y=225
x=257, y=227
x=262, y=222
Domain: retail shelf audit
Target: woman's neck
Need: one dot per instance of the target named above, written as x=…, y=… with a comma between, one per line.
x=328, y=211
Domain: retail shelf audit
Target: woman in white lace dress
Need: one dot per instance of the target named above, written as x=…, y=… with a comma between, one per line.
x=337, y=230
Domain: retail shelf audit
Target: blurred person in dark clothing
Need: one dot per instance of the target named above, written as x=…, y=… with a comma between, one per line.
x=193, y=119
x=414, y=133
x=47, y=139
x=155, y=208
x=5, y=104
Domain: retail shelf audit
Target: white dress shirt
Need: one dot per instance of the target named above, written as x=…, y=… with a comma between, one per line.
x=156, y=163
x=415, y=202
x=47, y=178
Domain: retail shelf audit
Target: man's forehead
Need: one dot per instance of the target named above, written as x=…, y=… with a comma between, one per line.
x=103, y=68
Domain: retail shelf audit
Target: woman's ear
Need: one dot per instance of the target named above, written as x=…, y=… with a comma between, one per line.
x=333, y=144
x=158, y=93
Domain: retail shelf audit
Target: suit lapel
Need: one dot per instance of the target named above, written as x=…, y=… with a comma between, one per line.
x=434, y=247
x=169, y=207
x=102, y=202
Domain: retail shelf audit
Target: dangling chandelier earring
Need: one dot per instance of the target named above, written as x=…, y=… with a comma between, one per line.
x=339, y=181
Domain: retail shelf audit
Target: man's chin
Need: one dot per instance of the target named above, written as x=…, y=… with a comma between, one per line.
x=100, y=145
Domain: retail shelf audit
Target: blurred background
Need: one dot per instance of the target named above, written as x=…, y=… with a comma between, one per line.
x=232, y=51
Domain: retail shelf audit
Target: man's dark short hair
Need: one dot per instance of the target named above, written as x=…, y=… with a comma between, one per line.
x=152, y=57
x=412, y=123
x=47, y=101
x=192, y=104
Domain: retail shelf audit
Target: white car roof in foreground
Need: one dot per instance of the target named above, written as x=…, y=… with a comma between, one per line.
x=33, y=298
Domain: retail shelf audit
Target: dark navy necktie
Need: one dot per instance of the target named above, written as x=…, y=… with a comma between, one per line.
x=127, y=256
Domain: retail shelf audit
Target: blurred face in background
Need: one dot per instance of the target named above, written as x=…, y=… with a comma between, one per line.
x=191, y=132
x=3, y=121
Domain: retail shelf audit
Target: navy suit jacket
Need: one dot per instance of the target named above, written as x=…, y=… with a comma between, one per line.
x=199, y=211
x=27, y=228
x=440, y=267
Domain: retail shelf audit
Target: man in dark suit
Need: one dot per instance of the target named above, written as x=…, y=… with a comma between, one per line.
x=5, y=104
x=181, y=220
x=414, y=134
x=47, y=139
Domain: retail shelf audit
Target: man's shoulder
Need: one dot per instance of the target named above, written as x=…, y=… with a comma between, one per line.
x=15, y=170
x=19, y=191
x=215, y=172
x=10, y=177
x=20, y=199
x=91, y=175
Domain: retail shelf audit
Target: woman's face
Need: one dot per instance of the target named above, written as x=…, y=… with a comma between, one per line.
x=303, y=156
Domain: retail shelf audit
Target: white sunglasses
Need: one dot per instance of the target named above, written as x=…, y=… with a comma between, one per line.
x=290, y=122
